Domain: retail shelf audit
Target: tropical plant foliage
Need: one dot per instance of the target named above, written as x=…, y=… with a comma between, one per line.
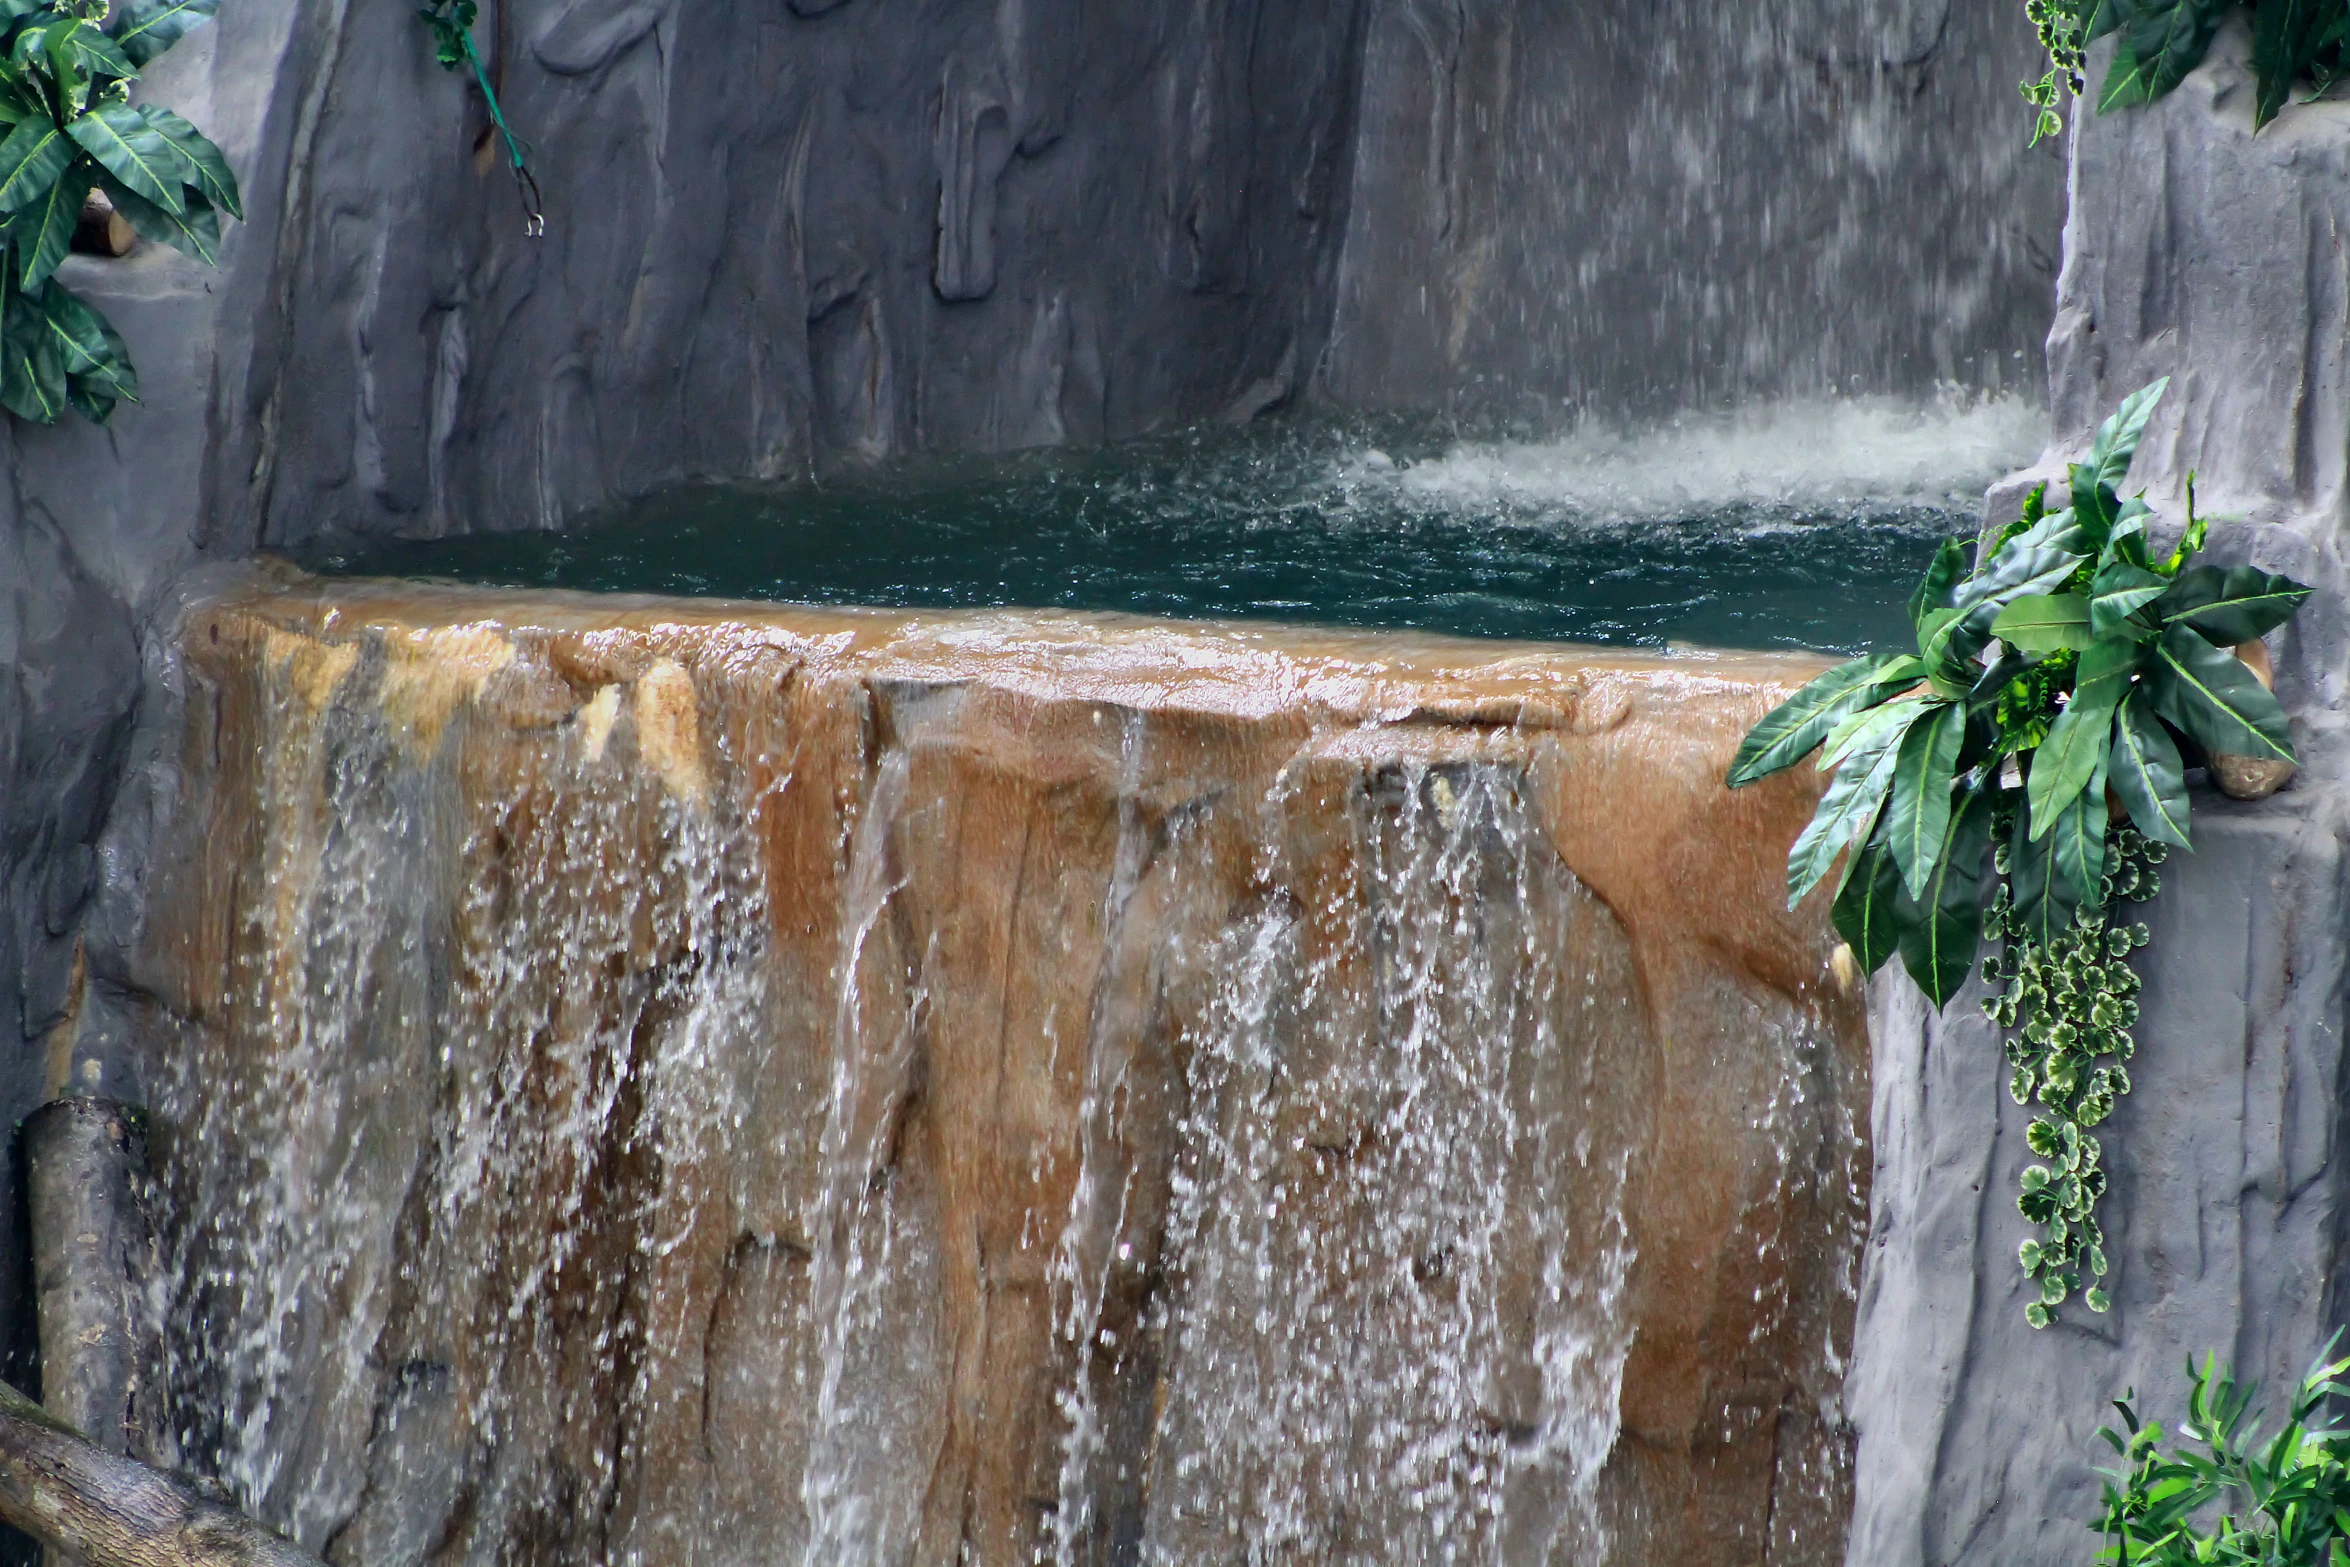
x=67, y=126
x=2282, y=1501
x=2043, y=722
x=2157, y=42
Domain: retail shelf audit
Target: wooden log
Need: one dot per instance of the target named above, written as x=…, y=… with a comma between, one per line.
x=102, y=231
x=117, y=1512
x=94, y=1275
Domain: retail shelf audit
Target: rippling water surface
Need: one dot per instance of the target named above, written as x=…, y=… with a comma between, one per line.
x=1802, y=525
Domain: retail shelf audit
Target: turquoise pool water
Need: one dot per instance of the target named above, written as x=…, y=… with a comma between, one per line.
x=1795, y=528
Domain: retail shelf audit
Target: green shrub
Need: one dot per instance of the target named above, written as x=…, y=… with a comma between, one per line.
x=2039, y=724
x=2282, y=1501
x=70, y=127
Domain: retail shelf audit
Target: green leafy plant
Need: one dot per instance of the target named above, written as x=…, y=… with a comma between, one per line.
x=2279, y=1502
x=2157, y=42
x=2042, y=723
x=67, y=127
x=451, y=22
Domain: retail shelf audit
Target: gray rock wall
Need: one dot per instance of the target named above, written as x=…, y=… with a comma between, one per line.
x=2200, y=251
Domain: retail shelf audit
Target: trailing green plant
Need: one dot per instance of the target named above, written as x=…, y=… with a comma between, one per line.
x=2043, y=723
x=451, y=22
x=2279, y=1501
x=67, y=127
x=2157, y=42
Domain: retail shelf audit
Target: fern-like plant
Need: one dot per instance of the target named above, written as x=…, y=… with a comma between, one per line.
x=67, y=127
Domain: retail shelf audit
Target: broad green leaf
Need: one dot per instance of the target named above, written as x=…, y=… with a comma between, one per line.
x=2095, y=504
x=1847, y=811
x=89, y=399
x=33, y=158
x=2286, y=38
x=2099, y=17
x=2044, y=623
x=2079, y=843
x=2044, y=899
x=2168, y=38
x=32, y=382
x=1870, y=730
x=2125, y=81
x=1865, y=910
x=212, y=174
x=195, y=232
x=96, y=55
x=2117, y=593
x=2146, y=772
x=1940, y=581
x=1917, y=811
x=2208, y=694
x=2036, y=561
x=1943, y=928
x=2232, y=604
x=136, y=154
x=65, y=64
x=1791, y=730
x=146, y=28
x=2125, y=541
x=2073, y=755
x=43, y=231
x=87, y=345
x=2116, y=442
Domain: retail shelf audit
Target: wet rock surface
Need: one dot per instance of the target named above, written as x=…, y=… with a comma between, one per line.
x=660, y=1081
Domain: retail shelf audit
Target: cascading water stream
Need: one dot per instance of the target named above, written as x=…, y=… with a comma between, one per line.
x=673, y=1085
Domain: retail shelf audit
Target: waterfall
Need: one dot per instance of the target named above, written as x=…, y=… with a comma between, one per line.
x=670, y=1082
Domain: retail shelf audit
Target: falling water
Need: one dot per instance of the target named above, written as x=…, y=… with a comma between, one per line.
x=669, y=1084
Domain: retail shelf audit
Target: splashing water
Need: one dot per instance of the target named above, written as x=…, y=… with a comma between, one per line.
x=668, y=1088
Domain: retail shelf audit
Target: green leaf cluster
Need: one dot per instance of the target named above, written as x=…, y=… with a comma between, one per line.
x=2070, y=661
x=2044, y=725
x=2224, y=1495
x=2157, y=42
x=68, y=127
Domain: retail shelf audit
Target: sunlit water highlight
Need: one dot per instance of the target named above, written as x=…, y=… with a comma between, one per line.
x=1801, y=525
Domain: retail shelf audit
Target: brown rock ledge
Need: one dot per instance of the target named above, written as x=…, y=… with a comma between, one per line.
x=668, y=1080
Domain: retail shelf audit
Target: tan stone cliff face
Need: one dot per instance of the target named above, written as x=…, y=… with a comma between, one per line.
x=687, y=1083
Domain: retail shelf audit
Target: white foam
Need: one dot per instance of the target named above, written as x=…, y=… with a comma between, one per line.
x=1786, y=456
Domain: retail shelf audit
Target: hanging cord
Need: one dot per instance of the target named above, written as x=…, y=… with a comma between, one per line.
x=451, y=22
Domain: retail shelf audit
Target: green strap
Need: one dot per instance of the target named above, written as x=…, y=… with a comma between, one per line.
x=534, y=216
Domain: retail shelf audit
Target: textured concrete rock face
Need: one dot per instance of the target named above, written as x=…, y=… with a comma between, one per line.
x=653, y=1084
x=2199, y=251
x=1607, y=209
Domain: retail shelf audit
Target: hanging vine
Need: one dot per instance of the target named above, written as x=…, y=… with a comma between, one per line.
x=452, y=22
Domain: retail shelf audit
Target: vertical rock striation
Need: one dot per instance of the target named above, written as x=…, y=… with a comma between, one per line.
x=651, y=1081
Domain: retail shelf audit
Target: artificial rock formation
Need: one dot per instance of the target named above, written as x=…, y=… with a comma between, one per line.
x=662, y=1081
x=2201, y=251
